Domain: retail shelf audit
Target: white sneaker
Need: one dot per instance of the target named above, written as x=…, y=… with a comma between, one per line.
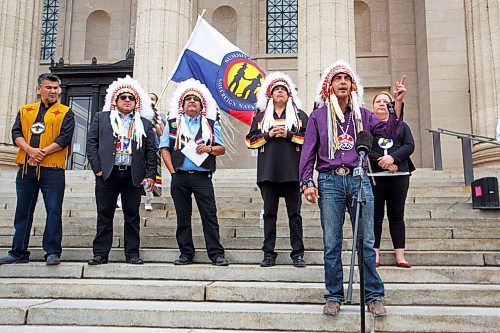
x=148, y=207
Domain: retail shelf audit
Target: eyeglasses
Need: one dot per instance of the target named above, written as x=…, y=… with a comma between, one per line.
x=192, y=98
x=127, y=97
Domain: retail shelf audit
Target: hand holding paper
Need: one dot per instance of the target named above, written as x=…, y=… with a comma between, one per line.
x=189, y=151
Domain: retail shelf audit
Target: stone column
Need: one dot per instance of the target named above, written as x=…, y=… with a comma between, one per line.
x=483, y=37
x=326, y=34
x=163, y=28
x=20, y=24
x=442, y=77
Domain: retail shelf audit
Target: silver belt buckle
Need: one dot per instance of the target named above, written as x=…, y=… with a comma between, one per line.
x=123, y=167
x=342, y=171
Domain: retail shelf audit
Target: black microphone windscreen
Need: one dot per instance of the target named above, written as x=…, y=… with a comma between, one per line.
x=364, y=142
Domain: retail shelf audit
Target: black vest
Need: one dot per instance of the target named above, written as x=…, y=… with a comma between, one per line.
x=178, y=156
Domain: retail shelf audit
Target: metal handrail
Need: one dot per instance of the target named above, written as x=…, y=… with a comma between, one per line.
x=466, y=139
x=475, y=137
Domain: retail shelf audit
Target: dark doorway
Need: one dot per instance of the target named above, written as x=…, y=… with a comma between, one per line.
x=83, y=88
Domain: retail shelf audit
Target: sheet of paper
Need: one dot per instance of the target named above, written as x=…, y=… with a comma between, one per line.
x=189, y=151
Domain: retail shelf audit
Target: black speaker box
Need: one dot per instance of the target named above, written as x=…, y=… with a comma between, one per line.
x=485, y=193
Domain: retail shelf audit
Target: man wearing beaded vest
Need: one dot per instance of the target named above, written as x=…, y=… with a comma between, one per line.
x=190, y=142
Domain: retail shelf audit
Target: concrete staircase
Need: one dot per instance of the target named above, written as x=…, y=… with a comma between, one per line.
x=453, y=285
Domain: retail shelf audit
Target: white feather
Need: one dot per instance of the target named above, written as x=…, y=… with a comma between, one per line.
x=262, y=98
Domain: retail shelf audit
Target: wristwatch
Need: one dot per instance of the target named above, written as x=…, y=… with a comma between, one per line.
x=306, y=184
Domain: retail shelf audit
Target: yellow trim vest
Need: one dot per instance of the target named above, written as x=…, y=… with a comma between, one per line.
x=53, y=120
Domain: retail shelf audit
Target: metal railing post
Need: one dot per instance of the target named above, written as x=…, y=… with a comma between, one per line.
x=436, y=144
x=466, y=150
x=467, y=159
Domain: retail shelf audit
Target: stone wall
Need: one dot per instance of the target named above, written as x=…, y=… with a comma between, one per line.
x=20, y=28
x=446, y=49
x=87, y=28
x=443, y=81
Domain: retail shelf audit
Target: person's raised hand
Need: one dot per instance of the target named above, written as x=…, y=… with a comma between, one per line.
x=400, y=89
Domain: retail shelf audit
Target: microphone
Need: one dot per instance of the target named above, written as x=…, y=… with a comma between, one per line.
x=364, y=143
x=363, y=146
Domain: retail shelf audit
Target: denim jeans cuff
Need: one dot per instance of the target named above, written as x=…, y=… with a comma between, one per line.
x=373, y=299
x=330, y=298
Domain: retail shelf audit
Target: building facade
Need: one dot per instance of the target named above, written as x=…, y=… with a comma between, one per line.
x=449, y=50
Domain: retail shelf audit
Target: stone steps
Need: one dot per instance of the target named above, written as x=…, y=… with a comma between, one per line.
x=101, y=329
x=255, y=292
x=464, y=232
x=242, y=243
x=249, y=273
x=238, y=203
x=164, y=255
x=443, y=222
x=246, y=316
x=453, y=285
x=9, y=201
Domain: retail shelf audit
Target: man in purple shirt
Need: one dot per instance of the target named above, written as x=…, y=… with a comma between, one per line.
x=329, y=141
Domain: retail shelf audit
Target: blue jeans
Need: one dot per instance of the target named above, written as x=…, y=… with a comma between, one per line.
x=51, y=182
x=336, y=194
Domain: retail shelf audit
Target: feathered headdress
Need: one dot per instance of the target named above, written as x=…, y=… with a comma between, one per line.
x=326, y=96
x=192, y=87
x=142, y=108
x=265, y=100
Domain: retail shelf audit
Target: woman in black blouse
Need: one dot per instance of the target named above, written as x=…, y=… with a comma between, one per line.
x=277, y=131
x=390, y=159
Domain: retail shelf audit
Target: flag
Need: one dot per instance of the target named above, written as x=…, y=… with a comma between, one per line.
x=231, y=76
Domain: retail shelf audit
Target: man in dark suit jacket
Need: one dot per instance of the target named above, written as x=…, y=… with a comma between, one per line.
x=122, y=153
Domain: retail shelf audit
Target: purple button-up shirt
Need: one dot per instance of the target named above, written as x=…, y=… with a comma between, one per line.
x=315, y=148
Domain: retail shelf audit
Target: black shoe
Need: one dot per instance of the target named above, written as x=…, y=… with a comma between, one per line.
x=52, y=260
x=135, y=260
x=299, y=261
x=183, y=261
x=221, y=261
x=98, y=260
x=10, y=259
x=268, y=261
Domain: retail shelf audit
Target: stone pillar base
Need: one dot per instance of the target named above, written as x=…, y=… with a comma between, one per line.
x=7, y=156
x=486, y=155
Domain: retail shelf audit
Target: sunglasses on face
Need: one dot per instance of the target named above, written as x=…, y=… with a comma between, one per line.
x=127, y=97
x=192, y=98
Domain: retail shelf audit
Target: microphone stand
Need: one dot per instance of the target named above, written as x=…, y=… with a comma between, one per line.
x=358, y=242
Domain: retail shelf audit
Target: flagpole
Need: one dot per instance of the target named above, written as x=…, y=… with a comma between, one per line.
x=180, y=56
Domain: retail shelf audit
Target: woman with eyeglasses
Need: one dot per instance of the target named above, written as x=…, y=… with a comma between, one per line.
x=391, y=165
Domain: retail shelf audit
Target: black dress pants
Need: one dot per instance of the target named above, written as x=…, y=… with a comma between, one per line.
x=271, y=192
x=106, y=193
x=391, y=191
x=183, y=186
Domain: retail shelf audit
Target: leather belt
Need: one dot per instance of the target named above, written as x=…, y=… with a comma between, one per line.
x=122, y=167
x=343, y=170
